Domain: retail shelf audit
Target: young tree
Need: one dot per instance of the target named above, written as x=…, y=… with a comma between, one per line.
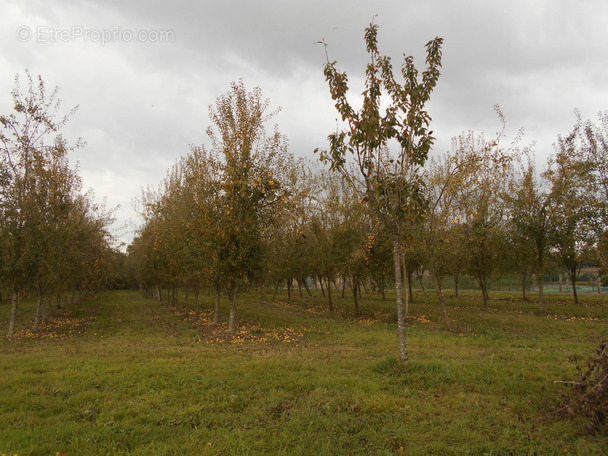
x=206, y=223
x=391, y=182
x=441, y=236
x=203, y=220
x=530, y=228
x=481, y=207
x=290, y=246
x=572, y=202
x=594, y=147
x=250, y=165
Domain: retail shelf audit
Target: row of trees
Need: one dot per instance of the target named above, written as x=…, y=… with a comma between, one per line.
x=488, y=213
x=505, y=217
x=206, y=224
x=54, y=239
x=245, y=212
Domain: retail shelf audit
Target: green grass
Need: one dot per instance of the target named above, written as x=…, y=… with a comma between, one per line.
x=126, y=375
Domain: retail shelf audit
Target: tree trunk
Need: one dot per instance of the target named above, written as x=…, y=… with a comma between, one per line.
x=13, y=318
x=420, y=277
x=573, y=282
x=561, y=283
x=216, y=313
x=409, y=288
x=322, y=287
x=442, y=301
x=232, y=317
x=289, y=290
x=456, y=280
x=533, y=283
x=401, y=308
x=541, y=293
x=276, y=290
x=176, y=302
x=408, y=278
x=524, y=285
x=301, y=292
x=39, y=311
x=197, y=303
x=484, y=292
x=331, y=304
x=343, y=287
x=306, y=287
x=356, y=296
x=363, y=288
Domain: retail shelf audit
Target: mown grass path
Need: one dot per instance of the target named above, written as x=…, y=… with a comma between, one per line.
x=131, y=376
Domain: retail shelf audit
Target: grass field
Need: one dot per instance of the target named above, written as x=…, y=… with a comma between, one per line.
x=126, y=375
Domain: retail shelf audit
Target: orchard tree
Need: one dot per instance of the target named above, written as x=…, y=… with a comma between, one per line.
x=340, y=227
x=29, y=145
x=292, y=242
x=54, y=205
x=442, y=236
x=139, y=268
x=481, y=207
x=594, y=145
x=203, y=219
x=389, y=145
x=42, y=208
x=324, y=225
x=378, y=260
x=151, y=241
x=571, y=178
x=207, y=222
x=250, y=164
x=530, y=228
x=350, y=240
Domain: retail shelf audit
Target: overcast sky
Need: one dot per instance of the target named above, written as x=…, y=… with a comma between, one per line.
x=144, y=73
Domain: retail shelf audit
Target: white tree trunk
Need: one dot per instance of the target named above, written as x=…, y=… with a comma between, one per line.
x=13, y=318
x=541, y=296
x=401, y=308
